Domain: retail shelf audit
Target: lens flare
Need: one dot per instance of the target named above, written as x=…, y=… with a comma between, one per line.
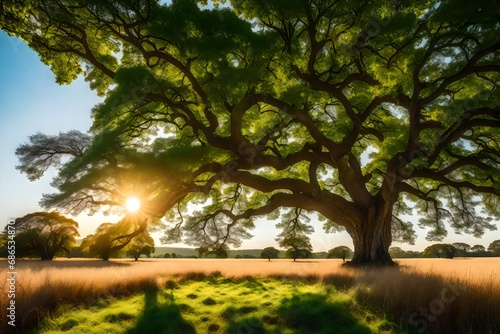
x=133, y=204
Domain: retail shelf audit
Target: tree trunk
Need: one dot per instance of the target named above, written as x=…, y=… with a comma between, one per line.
x=372, y=237
x=45, y=256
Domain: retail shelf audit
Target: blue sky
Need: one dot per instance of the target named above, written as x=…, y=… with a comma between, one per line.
x=31, y=101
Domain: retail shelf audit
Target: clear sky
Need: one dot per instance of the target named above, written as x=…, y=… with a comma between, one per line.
x=31, y=101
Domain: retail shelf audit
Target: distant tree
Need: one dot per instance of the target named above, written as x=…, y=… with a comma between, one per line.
x=478, y=250
x=219, y=252
x=320, y=255
x=441, y=250
x=413, y=254
x=494, y=247
x=76, y=251
x=237, y=256
x=109, y=238
x=449, y=251
x=462, y=248
x=340, y=252
x=202, y=251
x=397, y=252
x=299, y=253
x=270, y=253
x=296, y=247
x=174, y=256
x=433, y=250
x=166, y=256
x=139, y=245
x=294, y=235
x=44, y=234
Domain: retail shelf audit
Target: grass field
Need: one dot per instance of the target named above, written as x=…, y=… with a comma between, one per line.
x=256, y=296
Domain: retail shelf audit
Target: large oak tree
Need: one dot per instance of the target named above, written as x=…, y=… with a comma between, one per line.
x=347, y=109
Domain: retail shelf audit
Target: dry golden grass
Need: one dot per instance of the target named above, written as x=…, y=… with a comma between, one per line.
x=435, y=295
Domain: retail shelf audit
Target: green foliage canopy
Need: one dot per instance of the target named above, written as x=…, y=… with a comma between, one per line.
x=270, y=253
x=275, y=104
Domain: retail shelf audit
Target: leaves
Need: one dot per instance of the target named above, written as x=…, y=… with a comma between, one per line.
x=45, y=151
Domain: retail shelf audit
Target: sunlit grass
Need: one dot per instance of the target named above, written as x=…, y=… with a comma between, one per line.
x=221, y=305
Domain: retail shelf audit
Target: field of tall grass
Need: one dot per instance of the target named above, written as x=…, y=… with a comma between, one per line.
x=421, y=296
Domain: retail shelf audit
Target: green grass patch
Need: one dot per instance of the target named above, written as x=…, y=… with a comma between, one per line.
x=220, y=305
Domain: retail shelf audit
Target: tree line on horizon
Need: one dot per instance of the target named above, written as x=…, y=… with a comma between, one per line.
x=49, y=234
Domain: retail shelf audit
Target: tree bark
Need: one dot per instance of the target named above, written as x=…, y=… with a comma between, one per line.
x=372, y=237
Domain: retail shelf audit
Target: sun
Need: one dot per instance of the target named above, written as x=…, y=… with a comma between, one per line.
x=133, y=204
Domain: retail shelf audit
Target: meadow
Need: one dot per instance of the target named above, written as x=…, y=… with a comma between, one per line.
x=255, y=296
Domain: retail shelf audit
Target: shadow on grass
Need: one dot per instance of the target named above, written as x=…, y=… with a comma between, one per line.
x=240, y=321
x=302, y=313
x=163, y=318
x=311, y=313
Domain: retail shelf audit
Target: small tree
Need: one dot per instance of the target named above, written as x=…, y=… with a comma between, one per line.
x=141, y=244
x=76, y=251
x=494, y=247
x=396, y=252
x=462, y=248
x=219, y=252
x=441, y=250
x=450, y=251
x=341, y=252
x=297, y=247
x=294, y=235
x=202, y=251
x=433, y=250
x=270, y=253
x=45, y=234
x=110, y=238
x=301, y=253
x=166, y=256
x=478, y=250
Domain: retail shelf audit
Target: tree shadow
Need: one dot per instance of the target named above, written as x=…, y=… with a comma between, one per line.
x=240, y=321
x=160, y=318
x=312, y=313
